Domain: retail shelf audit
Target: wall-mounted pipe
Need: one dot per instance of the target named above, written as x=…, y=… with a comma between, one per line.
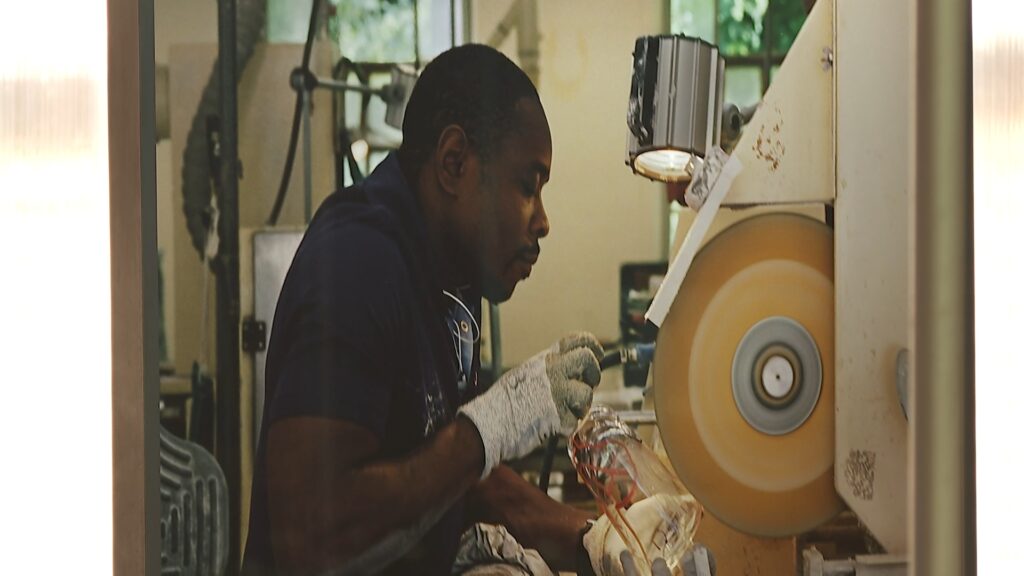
x=228, y=307
x=521, y=16
x=528, y=39
x=943, y=531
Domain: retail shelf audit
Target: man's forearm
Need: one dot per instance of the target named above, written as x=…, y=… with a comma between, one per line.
x=533, y=518
x=333, y=513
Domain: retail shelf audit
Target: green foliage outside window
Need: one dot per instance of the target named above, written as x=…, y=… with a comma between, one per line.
x=787, y=18
x=695, y=18
x=373, y=30
x=741, y=26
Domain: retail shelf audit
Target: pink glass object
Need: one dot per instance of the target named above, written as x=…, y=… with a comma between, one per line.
x=621, y=471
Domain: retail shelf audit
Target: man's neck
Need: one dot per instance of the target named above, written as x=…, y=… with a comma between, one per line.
x=442, y=244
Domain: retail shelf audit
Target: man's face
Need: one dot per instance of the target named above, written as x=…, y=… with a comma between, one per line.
x=511, y=217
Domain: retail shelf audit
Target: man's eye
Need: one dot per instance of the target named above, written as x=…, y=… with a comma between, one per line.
x=528, y=189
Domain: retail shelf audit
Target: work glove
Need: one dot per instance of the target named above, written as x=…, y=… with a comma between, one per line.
x=607, y=550
x=691, y=566
x=544, y=396
x=658, y=567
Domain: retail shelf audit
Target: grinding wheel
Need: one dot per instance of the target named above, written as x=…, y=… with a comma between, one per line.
x=744, y=379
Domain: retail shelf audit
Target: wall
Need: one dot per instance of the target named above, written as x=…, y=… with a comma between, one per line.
x=601, y=214
x=176, y=22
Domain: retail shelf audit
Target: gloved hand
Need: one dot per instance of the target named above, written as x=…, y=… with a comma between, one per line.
x=606, y=549
x=658, y=567
x=544, y=396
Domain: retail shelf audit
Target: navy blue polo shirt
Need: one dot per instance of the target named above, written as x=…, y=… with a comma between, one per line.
x=363, y=333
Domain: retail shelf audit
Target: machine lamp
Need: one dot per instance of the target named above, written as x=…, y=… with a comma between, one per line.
x=675, y=105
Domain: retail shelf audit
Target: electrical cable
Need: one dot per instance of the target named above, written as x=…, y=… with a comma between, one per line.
x=195, y=170
x=293, y=139
x=549, y=461
x=340, y=72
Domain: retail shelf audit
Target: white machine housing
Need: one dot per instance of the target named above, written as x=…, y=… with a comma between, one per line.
x=834, y=128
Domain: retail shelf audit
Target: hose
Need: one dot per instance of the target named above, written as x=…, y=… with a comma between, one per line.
x=293, y=137
x=195, y=171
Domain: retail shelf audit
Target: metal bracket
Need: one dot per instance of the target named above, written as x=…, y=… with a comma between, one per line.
x=254, y=335
x=871, y=565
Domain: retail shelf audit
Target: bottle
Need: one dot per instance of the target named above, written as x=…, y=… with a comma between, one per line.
x=622, y=472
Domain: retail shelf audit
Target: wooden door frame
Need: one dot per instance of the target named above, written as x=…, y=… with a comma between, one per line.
x=134, y=299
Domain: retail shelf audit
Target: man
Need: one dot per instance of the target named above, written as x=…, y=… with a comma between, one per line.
x=378, y=448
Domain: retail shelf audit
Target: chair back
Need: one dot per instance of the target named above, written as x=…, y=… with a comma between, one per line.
x=193, y=510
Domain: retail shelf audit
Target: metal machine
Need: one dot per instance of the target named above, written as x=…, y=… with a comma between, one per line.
x=782, y=349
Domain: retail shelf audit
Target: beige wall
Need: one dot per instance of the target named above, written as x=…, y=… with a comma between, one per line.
x=601, y=214
x=175, y=22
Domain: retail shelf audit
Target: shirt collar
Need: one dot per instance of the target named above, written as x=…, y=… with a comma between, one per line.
x=386, y=186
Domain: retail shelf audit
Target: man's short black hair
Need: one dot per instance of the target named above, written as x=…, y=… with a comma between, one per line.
x=472, y=86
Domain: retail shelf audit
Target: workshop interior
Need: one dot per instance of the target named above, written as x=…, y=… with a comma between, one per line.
x=763, y=209
x=760, y=318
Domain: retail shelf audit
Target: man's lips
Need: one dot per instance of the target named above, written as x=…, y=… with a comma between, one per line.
x=530, y=255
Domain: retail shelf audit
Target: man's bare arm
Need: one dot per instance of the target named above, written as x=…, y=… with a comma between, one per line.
x=532, y=517
x=331, y=500
x=334, y=502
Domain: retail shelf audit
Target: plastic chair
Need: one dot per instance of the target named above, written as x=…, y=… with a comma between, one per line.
x=193, y=510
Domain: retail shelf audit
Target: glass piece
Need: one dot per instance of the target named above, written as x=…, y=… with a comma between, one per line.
x=740, y=26
x=742, y=85
x=694, y=18
x=787, y=16
x=622, y=472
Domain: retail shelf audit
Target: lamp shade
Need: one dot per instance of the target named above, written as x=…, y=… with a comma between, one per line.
x=675, y=103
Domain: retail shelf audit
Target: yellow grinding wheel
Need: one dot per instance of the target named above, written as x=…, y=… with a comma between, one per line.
x=743, y=376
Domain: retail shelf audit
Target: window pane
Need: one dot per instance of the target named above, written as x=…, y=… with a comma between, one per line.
x=743, y=85
x=436, y=27
x=740, y=26
x=287, y=21
x=787, y=18
x=693, y=18
x=373, y=30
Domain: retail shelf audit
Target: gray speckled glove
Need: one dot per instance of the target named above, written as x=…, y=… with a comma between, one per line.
x=541, y=397
x=658, y=568
x=648, y=522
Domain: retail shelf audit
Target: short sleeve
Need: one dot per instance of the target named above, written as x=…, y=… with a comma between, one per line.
x=339, y=330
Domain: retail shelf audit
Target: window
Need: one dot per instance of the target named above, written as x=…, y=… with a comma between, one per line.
x=373, y=35
x=753, y=36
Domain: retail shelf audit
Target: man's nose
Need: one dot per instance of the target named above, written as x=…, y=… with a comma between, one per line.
x=540, y=226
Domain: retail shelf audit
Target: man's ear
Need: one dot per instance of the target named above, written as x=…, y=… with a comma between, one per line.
x=451, y=158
